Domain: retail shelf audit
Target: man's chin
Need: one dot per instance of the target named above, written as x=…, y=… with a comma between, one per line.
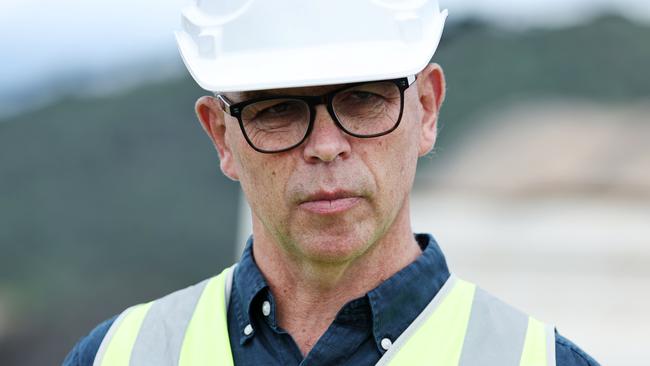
x=332, y=249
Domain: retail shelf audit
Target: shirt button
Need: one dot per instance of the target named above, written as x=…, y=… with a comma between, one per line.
x=386, y=343
x=248, y=330
x=266, y=308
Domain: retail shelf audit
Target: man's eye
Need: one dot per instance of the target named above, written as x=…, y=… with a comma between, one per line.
x=362, y=95
x=278, y=108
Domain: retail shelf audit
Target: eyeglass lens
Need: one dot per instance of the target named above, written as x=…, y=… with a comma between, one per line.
x=364, y=110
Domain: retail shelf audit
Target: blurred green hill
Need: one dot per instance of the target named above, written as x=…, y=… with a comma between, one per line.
x=109, y=201
x=105, y=202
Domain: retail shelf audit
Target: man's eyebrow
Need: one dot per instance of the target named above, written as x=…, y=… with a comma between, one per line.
x=237, y=97
x=254, y=94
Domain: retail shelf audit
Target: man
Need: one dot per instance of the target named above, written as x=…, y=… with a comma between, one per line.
x=322, y=121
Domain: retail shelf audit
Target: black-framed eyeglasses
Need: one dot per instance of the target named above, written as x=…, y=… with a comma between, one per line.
x=280, y=123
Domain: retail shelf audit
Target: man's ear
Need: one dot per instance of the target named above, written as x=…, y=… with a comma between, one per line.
x=431, y=88
x=212, y=120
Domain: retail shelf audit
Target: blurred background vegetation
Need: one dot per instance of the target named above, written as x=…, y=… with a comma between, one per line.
x=113, y=198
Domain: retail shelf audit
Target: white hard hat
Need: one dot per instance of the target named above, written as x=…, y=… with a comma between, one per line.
x=240, y=45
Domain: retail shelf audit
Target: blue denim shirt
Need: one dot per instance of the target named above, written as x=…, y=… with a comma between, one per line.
x=354, y=338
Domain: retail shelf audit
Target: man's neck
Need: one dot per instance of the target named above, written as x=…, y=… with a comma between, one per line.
x=309, y=294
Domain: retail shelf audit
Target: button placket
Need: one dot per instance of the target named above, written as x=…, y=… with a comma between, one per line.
x=266, y=308
x=248, y=330
x=386, y=344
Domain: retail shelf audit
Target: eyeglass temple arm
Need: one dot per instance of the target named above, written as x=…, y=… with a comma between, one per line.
x=224, y=103
x=411, y=79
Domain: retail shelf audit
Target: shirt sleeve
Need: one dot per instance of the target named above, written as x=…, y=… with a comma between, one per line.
x=568, y=354
x=83, y=353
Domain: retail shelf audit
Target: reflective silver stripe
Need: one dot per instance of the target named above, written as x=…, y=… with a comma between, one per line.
x=163, y=329
x=496, y=333
x=550, y=345
x=161, y=334
x=229, y=276
x=99, y=356
x=421, y=319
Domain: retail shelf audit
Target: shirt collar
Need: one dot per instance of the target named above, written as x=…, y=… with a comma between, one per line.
x=402, y=297
x=394, y=304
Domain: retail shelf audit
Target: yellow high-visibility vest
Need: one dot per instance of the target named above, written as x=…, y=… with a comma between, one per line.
x=462, y=326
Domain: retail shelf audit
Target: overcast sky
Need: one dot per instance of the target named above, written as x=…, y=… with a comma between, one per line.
x=39, y=39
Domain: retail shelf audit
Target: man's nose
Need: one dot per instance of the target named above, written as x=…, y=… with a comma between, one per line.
x=327, y=141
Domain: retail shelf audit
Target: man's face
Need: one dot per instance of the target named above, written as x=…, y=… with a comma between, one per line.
x=333, y=196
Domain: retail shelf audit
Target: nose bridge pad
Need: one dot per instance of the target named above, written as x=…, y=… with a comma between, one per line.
x=330, y=109
x=324, y=101
x=323, y=142
x=327, y=113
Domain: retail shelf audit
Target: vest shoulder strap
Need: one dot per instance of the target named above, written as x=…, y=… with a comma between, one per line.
x=465, y=326
x=170, y=330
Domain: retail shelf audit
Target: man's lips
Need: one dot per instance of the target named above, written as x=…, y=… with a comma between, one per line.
x=330, y=202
